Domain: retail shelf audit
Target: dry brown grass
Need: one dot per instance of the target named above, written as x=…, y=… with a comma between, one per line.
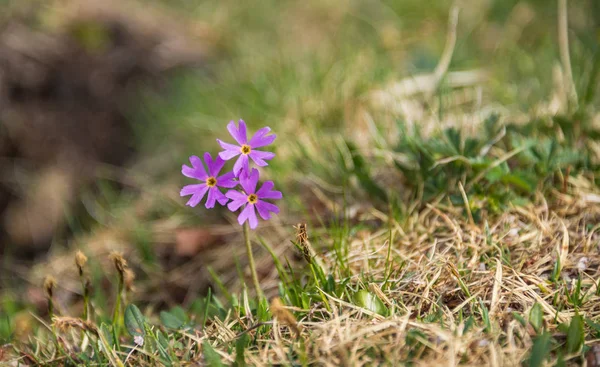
x=443, y=265
x=437, y=247
x=445, y=268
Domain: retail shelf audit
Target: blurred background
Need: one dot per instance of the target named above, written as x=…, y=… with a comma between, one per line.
x=101, y=102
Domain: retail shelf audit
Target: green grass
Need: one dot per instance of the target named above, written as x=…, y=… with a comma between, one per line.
x=443, y=227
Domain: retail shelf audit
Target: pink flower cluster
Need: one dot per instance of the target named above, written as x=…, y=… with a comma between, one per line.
x=246, y=197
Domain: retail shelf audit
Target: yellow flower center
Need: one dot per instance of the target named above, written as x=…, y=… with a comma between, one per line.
x=211, y=181
x=252, y=198
x=245, y=149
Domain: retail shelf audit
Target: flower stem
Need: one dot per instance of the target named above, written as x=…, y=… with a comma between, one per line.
x=257, y=288
x=117, y=310
x=116, y=319
x=50, y=308
x=86, y=298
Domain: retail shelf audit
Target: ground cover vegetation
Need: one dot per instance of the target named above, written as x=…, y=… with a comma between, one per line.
x=438, y=165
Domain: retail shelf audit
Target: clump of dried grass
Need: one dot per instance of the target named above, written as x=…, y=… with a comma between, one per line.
x=447, y=267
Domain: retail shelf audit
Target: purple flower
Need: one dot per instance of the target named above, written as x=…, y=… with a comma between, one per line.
x=211, y=181
x=246, y=148
x=253, y=199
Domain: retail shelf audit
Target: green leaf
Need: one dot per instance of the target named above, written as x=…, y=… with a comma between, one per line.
x=240, y=347
x=262, y=310
x=104, y=345
x=519, y=318
x=162, y=344
x=371, y=302
x=162, y=340
x=454, y=139
x=563, y=327
x=468, y=324
x=134, y=321
x=171, y=321
x=106, y=330
x=520, y=180
x=361, y=170
x=211, y=357
x=330, y=285
x=305, y=298
x=575, y=334
x=595, y=326
x=536, y=317
x=540, y=350
x=179, y=313
x=485, y=316
x=495, y=174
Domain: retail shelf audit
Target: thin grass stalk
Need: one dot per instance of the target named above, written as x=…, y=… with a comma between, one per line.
x=49, y=285
x=388, y=257
x=80, y=262
x=259, y=293
x=592, y=84
x=121, y=267
x=117, y=310
x=116, y=318
x=86, y=299
x=565, y=56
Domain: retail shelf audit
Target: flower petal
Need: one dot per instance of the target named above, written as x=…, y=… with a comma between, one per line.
x=230, y=150
x=260, y=140
x=214, y=167
x=236, y=204
x=193, y=173
x=196, y=162
x=212, y=197
x=239, y=134
x=208, y=160
x=252, y=219
x=228, y=154
x=241, y=165
x=264, y=209
x=237, y=199
x=244, y=214
x=259, y=157
x=197, y=192
x=248, y=214
x=196, y=171
x=221, y=198
x=191, y=189
x=265, y=188
x=228, y=146
x=236, y=195
x=217, y=166
x=264, y=213
x=227, y=180
x=267, y=192
x=249, y=181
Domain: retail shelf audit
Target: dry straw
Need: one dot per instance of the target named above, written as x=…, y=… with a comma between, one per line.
x=284, y=316
x=49, y=286
x=121, y=266
x=80, y=261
